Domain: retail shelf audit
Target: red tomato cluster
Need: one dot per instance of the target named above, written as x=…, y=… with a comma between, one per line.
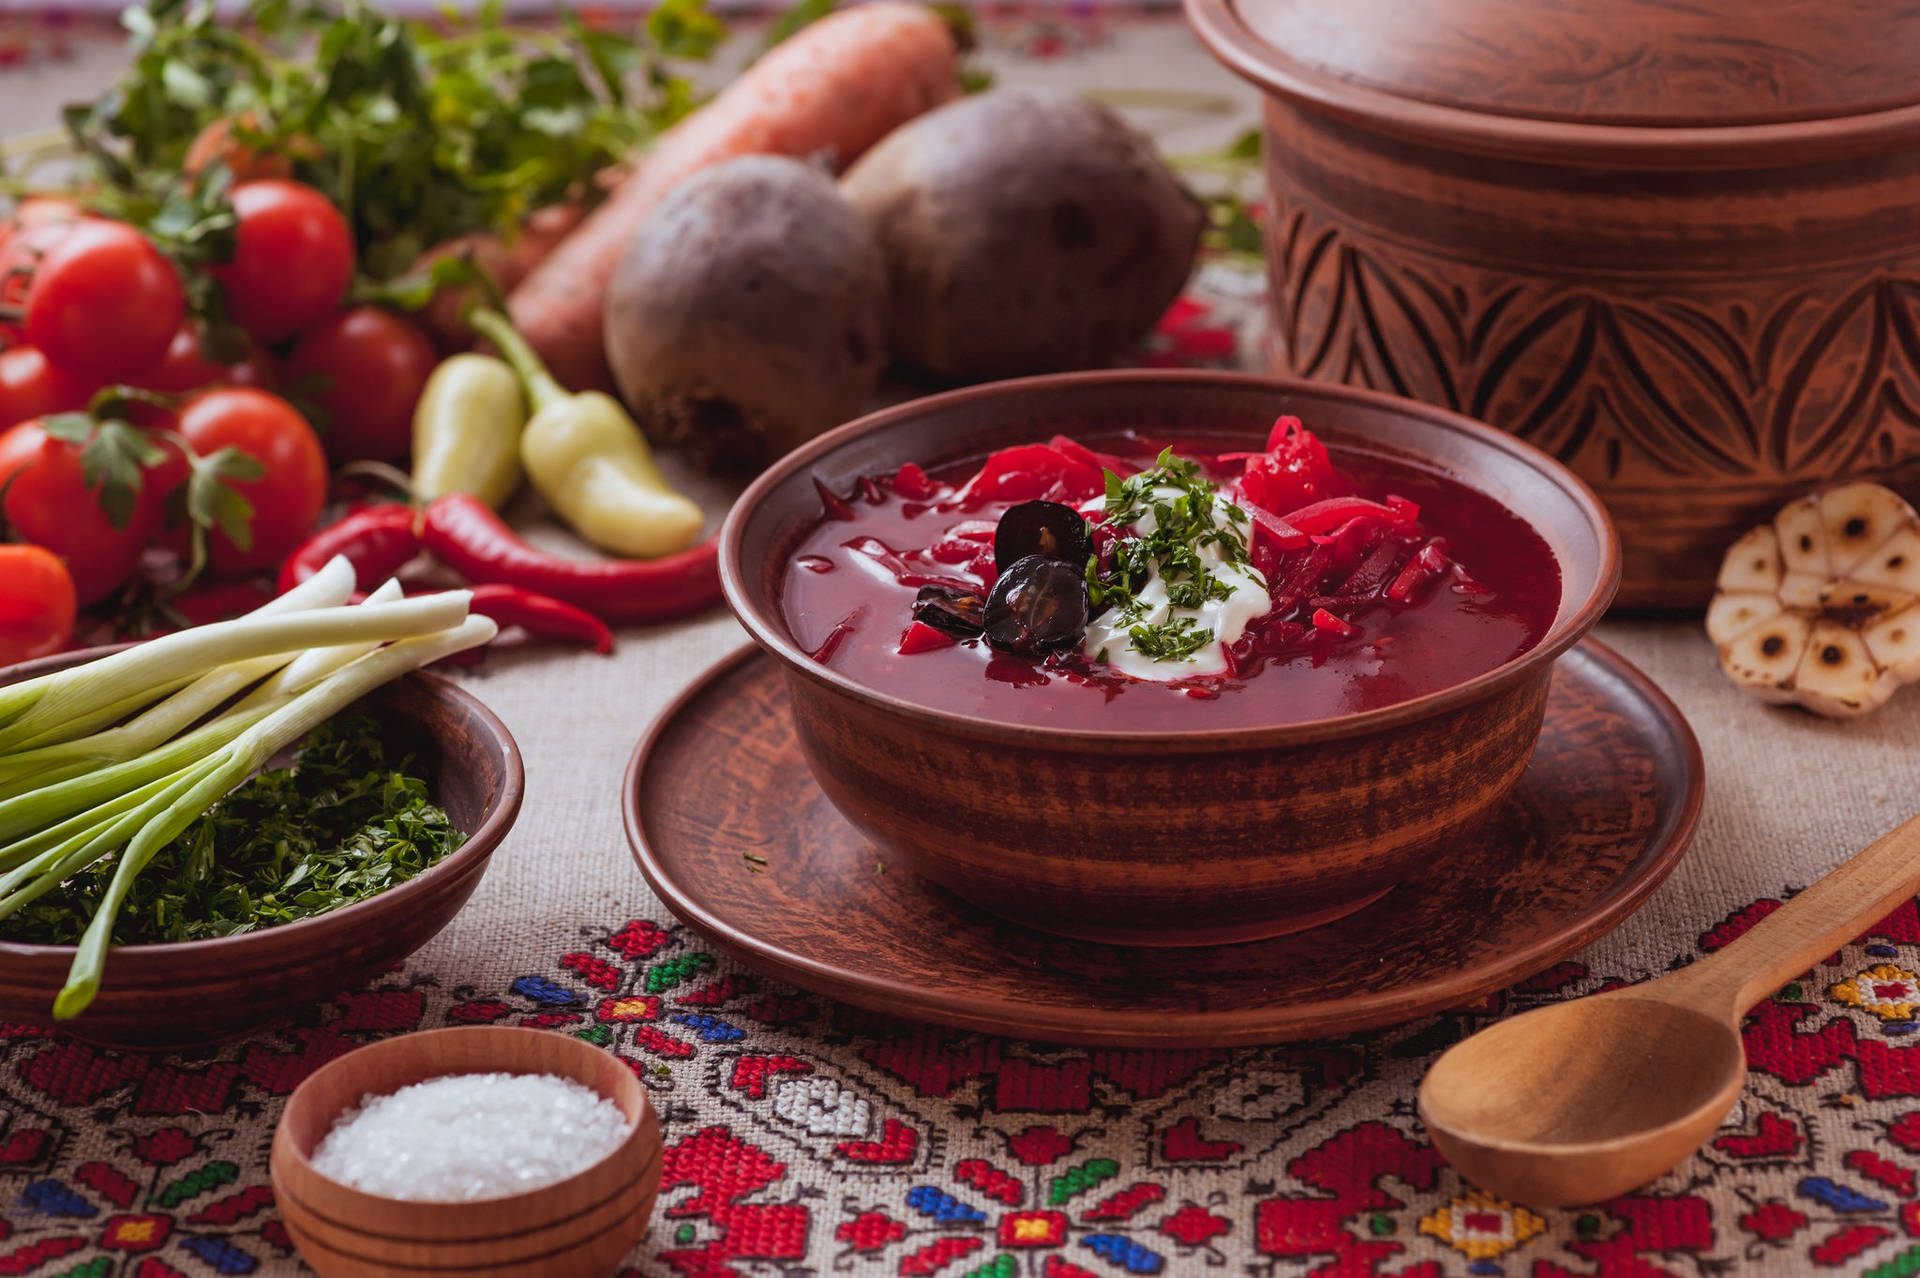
x=88, y=303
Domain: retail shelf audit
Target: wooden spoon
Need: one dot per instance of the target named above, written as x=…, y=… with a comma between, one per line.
x=1584, y=1100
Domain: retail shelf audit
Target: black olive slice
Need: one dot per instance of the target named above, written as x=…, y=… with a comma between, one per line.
x=1044, y=528
x=1037, y=606
x=960, y=613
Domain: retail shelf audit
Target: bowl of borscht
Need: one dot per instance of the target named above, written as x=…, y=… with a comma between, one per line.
x=1167, y=658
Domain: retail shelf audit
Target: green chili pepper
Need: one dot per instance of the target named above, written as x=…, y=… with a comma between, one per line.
x=466, y=431
x=590, y=461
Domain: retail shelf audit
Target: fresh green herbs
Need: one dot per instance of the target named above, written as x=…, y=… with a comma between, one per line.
x=419, y=131
x=107, y=763
x=343, y=824
x=1180, y=517
x=1174, y=640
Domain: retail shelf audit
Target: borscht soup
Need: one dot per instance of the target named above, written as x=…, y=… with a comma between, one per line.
x=1119, y=582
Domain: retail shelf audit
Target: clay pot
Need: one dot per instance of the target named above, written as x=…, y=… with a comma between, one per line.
x=1177, y=837
x=1677, y=247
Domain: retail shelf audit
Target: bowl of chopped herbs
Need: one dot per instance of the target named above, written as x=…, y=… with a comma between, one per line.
x=341, y=856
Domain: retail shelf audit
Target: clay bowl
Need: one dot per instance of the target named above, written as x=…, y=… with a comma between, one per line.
x=1672, y=245
x=1166, y=838
x=577, y=1228
x=200, y=992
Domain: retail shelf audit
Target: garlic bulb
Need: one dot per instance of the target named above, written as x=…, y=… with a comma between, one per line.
x=1821, y=608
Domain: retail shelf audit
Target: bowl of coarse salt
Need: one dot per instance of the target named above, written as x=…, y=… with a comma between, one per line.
x=496, y=1149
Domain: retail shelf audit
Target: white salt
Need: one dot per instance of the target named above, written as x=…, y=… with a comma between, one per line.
x=469, y=1136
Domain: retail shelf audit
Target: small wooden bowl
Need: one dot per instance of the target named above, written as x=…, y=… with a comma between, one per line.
x=579, y=1226
x=1205, y=836
x=194, y=993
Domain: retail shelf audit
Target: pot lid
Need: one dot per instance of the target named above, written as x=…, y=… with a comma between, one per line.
x=1702, y=63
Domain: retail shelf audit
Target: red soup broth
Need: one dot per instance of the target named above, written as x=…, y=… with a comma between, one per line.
x=851, y=581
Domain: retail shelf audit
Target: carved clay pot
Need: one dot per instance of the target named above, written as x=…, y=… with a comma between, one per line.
x=1677, y=247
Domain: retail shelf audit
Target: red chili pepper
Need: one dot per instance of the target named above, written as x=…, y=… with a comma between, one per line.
x=472, y=540
x=541, y=616
x=376, y=540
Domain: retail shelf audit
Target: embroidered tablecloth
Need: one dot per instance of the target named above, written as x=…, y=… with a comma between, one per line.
x=807, y=1137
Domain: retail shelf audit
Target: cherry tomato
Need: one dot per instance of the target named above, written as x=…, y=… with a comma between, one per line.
x=104, y=302
x=366, y=368
x=21, y=248
x=185, y=368
x=38, y=210
x=31, y=387
x=37, y=604
x=49, y=504
x=292, y=259
x=287, y=498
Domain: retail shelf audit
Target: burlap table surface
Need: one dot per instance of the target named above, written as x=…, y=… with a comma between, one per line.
x=806, y=1137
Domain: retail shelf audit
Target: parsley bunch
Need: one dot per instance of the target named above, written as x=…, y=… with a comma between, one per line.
x=417, y=132
x=1181, y=502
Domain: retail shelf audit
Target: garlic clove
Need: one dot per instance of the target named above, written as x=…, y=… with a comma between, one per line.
x=1837, y=676
x=1895, y=562
x=1858, y=601
x=1894, y=641
x=1803, y=537
x=1764, y=658
x=1857, y=519
x=1731, y=614
x=1752, y=563
x=1803, y=589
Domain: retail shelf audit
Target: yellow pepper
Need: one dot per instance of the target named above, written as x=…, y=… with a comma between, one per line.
x=466, y=431
x=590, y=461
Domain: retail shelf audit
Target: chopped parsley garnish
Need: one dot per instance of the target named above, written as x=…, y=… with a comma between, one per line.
x=1182, y=504
x=346, y=822
x=1176, y=640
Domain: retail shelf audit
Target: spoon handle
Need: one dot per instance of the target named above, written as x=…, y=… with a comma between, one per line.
x=1806, y=929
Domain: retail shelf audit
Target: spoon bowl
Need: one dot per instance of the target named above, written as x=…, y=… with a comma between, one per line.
x=1582, y=1100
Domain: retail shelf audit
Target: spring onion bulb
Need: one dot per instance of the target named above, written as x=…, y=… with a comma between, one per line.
x=117, y=757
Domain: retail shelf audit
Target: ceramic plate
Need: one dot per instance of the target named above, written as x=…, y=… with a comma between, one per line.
x=733, y=834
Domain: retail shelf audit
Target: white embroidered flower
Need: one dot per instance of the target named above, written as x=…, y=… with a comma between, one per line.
x=823, y=1107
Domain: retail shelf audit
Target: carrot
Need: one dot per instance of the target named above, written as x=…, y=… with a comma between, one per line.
x=835, y=88
x=506, y=264
x=216, y=142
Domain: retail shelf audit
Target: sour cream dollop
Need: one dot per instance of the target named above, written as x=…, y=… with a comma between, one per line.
x=1227, y=619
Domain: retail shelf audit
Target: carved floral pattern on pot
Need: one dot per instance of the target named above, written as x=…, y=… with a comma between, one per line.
x=1652, y=382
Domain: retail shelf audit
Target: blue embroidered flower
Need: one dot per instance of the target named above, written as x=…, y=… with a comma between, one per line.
x=1125, y=1252
x=541, y=990
x=944, y=1208
x=711, y=1028
x=1838, y=1197
x=55, y=1199
x=223, y=1256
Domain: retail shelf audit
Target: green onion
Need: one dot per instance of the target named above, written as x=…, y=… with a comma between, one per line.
x=41, y=709
x=227, y=768
x=116, y=757
x=161, y=721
